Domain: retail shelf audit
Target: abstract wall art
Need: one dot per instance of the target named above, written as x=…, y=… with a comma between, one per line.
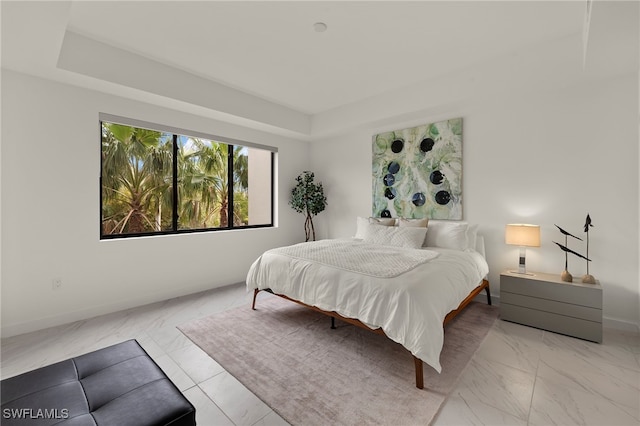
x=417, y=172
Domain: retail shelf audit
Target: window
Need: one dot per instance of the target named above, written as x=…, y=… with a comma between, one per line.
x=159, y=180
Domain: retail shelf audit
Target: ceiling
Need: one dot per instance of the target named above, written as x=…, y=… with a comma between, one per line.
x=268, y=52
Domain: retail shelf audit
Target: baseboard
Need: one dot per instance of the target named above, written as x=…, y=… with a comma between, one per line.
x=482, y=298
x=617, y=324
x=95, y=311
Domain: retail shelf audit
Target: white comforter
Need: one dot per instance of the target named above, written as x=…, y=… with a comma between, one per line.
x=409, y=307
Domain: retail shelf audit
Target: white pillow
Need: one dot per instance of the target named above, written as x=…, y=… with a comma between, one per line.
x=363, y=222
x=386, y=221
x=472, y=236
x=408, y=237
x=416, y=223
x=361, y=226
x=445, y=234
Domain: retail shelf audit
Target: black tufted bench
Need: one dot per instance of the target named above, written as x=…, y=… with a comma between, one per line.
x=117, y=386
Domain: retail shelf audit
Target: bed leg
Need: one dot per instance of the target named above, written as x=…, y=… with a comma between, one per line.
x=419, y=373
x=488, y=294
x=333, y=323
x=255, y=294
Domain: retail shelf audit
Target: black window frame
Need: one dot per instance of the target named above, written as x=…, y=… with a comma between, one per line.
x=175, y=133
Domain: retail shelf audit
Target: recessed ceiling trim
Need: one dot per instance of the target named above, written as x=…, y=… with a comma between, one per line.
x=92, y=58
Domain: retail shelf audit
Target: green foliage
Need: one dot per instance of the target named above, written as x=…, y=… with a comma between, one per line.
x=308, y=198
x=137, y=182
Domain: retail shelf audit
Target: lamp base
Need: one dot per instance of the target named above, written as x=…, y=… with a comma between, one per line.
x=531, y=274
x=522, y=263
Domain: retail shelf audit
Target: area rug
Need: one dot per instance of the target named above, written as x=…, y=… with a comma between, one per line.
x=310, y=374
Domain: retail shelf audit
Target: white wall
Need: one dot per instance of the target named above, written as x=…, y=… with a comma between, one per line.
x=543, y=157
x=51, y=214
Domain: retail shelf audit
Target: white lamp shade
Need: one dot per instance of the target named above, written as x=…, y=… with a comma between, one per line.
x=524, y=235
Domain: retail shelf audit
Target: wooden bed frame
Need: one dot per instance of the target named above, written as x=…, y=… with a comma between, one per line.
x=484, y=285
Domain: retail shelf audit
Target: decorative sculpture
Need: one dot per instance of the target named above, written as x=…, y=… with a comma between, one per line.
x=588, y=278
x=565, y=275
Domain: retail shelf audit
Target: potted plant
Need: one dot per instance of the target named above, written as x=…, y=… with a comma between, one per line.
x=308, y=198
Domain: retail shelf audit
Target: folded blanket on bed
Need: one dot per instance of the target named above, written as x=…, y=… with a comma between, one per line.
x=364, y=258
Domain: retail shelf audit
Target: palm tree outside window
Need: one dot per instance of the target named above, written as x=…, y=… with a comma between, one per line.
x=215, y=184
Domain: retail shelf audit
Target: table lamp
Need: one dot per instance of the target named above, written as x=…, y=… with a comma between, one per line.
x=522, y=235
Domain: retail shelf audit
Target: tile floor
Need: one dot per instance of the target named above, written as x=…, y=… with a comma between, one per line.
x=519, y=376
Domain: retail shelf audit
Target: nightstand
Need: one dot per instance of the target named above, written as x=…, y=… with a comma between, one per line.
x=545, y=301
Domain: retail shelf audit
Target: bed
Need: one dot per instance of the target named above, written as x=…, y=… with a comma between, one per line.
x=404, y=279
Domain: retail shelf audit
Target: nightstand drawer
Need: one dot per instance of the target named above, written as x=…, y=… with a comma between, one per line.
x=583, y=329
x=545, y=301
x=552, y=306
x=574, y=293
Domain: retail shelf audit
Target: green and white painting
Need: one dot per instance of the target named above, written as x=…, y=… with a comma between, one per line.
x=417, y=172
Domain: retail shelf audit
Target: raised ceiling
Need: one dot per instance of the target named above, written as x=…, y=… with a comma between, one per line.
x=268, y=52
